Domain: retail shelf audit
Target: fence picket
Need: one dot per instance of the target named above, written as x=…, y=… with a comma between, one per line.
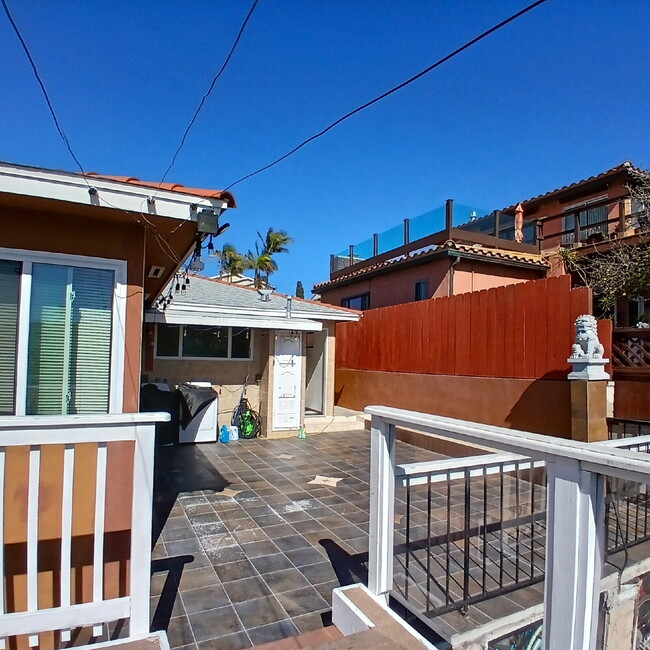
x=521, y=331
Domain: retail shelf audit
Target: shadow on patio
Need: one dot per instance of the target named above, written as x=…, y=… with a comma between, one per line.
x=247, y=546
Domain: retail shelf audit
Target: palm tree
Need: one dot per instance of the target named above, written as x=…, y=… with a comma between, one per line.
x=276, y=241
x=232, y=261
x=263, y=265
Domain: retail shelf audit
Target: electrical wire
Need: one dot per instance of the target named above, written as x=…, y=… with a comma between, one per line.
x=438, y=63
x=207, y=94
x=164, y=245
x=40, y=83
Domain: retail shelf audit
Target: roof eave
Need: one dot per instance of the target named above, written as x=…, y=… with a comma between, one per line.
x=94, y=191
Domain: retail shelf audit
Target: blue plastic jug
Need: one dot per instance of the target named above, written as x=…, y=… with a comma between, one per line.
x=224, y=433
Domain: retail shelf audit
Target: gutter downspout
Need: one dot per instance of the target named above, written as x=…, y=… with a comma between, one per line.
x=451, y=273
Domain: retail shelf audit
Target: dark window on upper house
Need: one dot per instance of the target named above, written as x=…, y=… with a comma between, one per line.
x=422, y=290
x=360, y=302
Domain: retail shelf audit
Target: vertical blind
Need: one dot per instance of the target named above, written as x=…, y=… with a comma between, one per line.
x=9, y=288
x=70, y=323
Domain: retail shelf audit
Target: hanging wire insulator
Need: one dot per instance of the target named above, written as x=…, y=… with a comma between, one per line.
x=210, y=244
x=178, y=287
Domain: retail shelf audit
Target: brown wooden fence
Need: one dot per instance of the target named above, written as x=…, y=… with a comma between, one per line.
x=520, y=331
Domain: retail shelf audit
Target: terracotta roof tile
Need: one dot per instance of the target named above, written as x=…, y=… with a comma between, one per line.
x=478, y=251
x=171, y=187
x=626, y=166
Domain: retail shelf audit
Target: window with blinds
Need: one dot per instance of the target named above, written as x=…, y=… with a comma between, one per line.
x=9, y=293
x=69, y=349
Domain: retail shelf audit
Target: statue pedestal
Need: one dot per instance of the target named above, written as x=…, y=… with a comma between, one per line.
x=588, y=368
x=589, y=399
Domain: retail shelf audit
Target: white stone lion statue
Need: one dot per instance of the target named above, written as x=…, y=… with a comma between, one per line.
x=587, y=344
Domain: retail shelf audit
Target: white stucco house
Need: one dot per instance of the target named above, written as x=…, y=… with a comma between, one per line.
x=275, y=349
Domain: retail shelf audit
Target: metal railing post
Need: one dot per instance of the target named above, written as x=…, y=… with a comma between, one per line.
x=574, y=556
x=382, y=506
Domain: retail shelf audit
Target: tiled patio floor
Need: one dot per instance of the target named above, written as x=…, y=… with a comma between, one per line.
x=247, y=551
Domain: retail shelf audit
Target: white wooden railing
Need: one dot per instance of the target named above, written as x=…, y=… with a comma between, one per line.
x=575, y=538
x=37, y=433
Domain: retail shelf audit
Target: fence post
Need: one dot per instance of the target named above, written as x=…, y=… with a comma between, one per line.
x=574, y=556
x=382, y=506
x=141, y=518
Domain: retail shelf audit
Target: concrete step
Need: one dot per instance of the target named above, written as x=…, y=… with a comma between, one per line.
x=369, y=623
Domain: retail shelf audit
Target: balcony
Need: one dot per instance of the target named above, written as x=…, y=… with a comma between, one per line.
x=521, y=542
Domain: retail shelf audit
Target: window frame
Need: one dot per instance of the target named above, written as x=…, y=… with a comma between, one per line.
x=179, y=351
x=118, y=341
x=345, y=302
x=418, y=285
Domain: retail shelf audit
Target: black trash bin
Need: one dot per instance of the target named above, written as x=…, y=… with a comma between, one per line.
x=153, y=398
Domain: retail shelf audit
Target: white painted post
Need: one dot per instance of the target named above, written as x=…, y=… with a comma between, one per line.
x=574, y=556
x=141, y=518
x=382, y=506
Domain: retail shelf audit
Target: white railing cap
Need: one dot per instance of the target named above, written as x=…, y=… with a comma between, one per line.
x=75, y=421
x=594, y=457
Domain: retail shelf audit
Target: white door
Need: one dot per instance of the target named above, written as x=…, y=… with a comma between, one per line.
x=287, y=380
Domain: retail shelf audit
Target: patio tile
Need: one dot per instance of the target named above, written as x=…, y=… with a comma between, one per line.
x=305, y=556
x=215, y=622
x=255, y=549
x=195, y=578
x=270, y=521
x=318, y=573
x=199, y=600
x=183, y=547
x=302, y=601
x=249, y=536
x=282, y=530
x=179, y=632
x=308, y=526
x=309, y=622
x=177, y=522
x=325, y=590
x=260, y=611
x=166, y=606
x=224, y=555
x=291, y=543
x=360, y=544
x=236, y=525
x=235, y=570
x=269, y=563
x=285, y=580
x=237, y=641
x=246, y=589
x=273, y=632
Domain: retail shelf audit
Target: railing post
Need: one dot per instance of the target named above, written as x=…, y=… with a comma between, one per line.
x=141, y=519
x=382, y=506
x=574, y=556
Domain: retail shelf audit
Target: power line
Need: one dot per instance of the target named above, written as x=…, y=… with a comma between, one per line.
x=438, y=63
x=40, y=83
x=166, y=248
x=207, y=94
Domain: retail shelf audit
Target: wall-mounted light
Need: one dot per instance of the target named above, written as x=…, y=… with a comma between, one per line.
x=207, y=221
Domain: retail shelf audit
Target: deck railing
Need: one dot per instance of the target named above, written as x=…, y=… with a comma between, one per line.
x=574, y=528
x=469, y=529
x=67, y=489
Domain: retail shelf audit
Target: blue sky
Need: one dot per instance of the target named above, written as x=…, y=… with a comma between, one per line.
x=556, y=96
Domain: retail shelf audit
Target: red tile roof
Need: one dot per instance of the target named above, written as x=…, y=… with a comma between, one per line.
x=624, y=168
x=171, y=187
x=473, y=250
